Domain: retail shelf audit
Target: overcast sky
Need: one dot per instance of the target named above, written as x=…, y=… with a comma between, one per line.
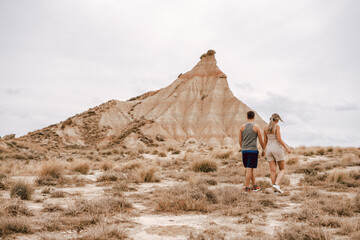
x=298, y=58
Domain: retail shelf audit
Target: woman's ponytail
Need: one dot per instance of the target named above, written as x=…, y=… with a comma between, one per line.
x=275, y=117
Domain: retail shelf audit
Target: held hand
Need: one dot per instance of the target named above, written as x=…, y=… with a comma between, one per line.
x=263, y=153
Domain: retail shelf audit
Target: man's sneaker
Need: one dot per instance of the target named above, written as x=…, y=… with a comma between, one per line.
x=277, y=188
x=247, y=189
x=256, y=188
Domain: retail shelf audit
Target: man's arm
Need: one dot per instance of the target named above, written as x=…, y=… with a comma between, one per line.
x=240, y=136
x=258, y=130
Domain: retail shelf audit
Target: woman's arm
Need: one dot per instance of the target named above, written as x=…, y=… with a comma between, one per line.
x=278, y=137
x=265, y=137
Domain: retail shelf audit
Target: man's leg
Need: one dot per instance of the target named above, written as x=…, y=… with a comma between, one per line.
x=248, y=176
x=253, y=176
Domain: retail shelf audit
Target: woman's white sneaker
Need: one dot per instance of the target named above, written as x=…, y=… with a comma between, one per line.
x=275, y=186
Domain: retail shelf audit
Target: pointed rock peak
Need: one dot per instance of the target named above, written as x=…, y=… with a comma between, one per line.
x=208, y=54
x=206, y=67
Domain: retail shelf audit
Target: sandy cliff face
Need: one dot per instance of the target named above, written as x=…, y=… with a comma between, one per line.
x=198, y=105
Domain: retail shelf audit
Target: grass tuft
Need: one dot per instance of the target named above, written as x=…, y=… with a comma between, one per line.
x=82, y=167
x=21, y=189
x=204, y=165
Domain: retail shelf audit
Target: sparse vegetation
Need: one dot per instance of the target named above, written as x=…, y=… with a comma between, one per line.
x=147, y=175
x=82, y=167
x=21, y=189
x=321, y=195
x=50, y=173
x=204, y=165
x=294, y=231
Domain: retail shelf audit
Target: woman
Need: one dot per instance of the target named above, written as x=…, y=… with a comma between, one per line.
x=274, y=151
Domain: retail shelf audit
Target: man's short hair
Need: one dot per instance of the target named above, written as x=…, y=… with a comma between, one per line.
x=250, y=114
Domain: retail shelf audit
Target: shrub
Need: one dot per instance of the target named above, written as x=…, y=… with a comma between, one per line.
x=162, y=154
x=15, y=208
x=204, y=165
x=302, y=232
x=131, y=166
x=21, y=189
x=292, y=161
x=321, y=151
x=82, y=167
x=348, y=159
x=51, y=169
x=3, y=185
x=104, y=232
x=175, y=152
x=108, y=176
x=58, y=194
x=14, y=225
x=147, y=175
x=97, y=206
x=107, y=165
x=224, y=154
x=50, y=173
x=184, y=198
x=338, y=176
x=264, y=184
x=52, y=208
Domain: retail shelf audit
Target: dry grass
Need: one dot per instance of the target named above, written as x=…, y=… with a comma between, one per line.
x=229, y=201
x=349, y=159
x=58, y=194
x=3, y=182
x=97, y=207
x=131, y=166
x=147, y=175
x=204, y=165
x=184, y=198
x=12, y=225
x=21, y=189
x=107, y=165
x=109, y=176
x=50, y=173
x=294, y=231
x=104, y=232
x=292, y=161
x=162, y=154
x=14, y=208
x=81, y=167
x=50, y=207
x=350, y=228
x=223, y=154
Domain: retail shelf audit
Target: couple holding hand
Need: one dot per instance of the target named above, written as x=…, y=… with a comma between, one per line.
x=272, y=150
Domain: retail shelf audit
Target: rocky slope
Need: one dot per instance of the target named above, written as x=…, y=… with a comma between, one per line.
x=198, y=105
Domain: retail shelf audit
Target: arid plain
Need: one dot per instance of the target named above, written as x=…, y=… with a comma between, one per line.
x=182, y=192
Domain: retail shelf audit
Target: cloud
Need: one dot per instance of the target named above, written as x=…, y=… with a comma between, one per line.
x=300, y=59
x=346, y=106
x=13, y=91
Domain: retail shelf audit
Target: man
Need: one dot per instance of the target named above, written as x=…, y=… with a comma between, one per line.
x=249, y=132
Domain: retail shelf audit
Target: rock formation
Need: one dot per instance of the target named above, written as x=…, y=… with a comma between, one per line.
x=197, y=105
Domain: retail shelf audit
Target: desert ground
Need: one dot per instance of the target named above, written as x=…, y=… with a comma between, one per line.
x=189, y=191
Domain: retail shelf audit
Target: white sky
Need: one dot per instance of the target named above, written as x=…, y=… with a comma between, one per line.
x=298, y=58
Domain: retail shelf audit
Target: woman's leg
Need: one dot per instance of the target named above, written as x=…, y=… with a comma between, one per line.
x=281, y=172
x=272, y=165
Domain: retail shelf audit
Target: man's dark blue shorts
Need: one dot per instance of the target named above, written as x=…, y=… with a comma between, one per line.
x=250, y=158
